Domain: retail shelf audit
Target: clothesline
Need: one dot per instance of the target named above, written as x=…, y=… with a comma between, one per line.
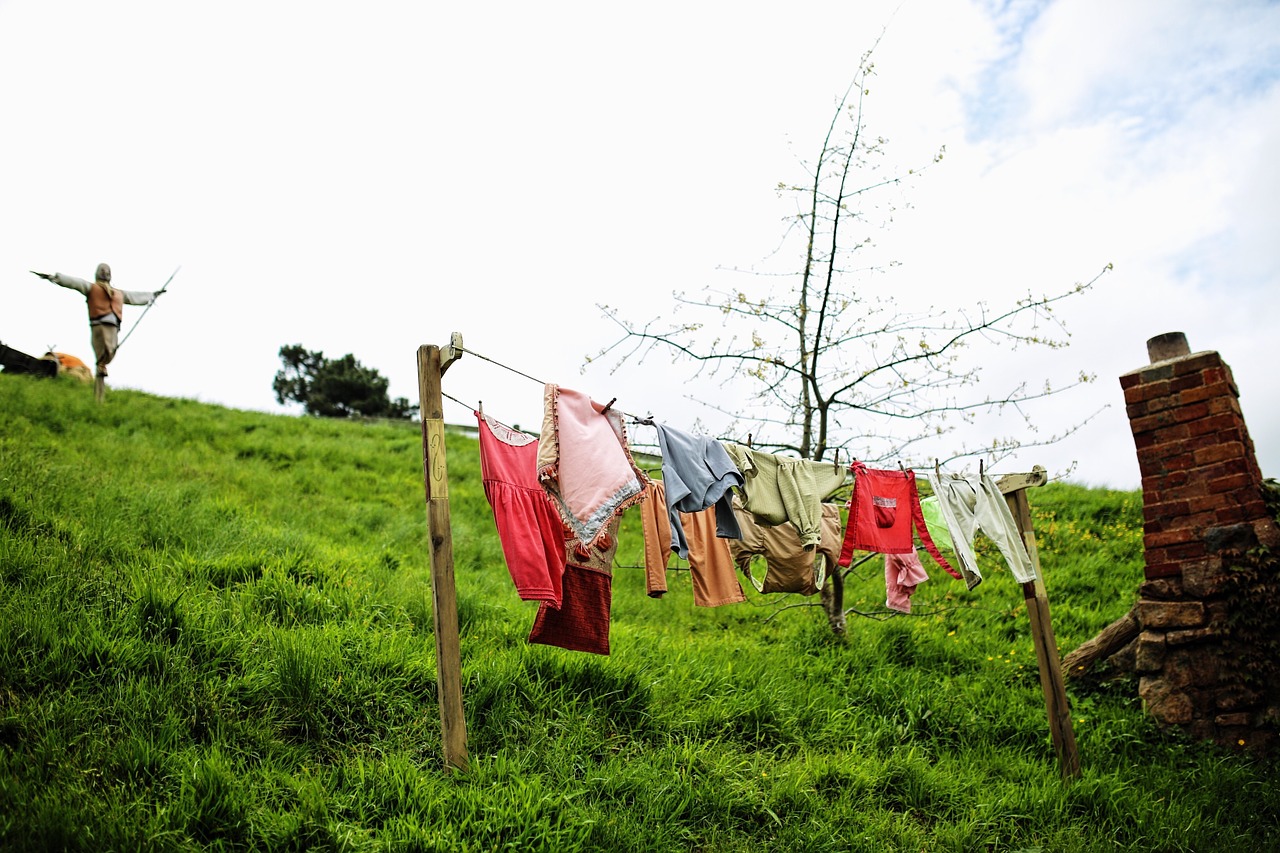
x=635, y=419
x=572, y=614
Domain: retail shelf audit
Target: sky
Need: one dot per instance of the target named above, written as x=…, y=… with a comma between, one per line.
x=369, y=178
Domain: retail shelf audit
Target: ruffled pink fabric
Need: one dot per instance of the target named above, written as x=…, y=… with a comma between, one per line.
x=584, y=462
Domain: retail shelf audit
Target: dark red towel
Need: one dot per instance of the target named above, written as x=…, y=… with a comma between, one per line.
x=582, y=622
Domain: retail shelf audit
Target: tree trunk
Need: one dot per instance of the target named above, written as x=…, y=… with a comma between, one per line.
x=1110, y=640
x=833, y=601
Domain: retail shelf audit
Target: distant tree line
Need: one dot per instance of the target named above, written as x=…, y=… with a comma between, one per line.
x=335, y=388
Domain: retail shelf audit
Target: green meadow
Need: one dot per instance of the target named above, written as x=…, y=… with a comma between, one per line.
x=216, y=634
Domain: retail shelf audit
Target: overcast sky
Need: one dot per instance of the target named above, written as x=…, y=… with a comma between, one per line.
x=367, y=178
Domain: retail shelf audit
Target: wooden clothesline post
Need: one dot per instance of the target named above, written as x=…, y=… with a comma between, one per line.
x=1014, y=488
x=432, y=363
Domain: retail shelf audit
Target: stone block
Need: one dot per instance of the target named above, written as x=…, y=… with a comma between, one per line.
x=1233, y=537
x=1164, y=589
x=1148, y=656
x=1203, y=578
x=1192, y=666
x=1169, y=707
x=1237, y=699
x=1187, y=636
x=1239, y=718
x=1170, y=614
x=1268, y=533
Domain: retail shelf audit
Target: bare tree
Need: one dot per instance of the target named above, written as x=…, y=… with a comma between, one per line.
x=837, y=363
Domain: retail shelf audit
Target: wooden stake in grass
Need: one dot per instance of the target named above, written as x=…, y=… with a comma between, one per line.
x=432, y=363
x=1014, y=487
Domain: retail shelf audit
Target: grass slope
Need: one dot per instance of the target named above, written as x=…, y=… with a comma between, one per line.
x=217, y=636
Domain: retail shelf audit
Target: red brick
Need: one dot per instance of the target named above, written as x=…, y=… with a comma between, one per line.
x=1224, y=405
x=1193, y=521
x=1181, y=462
x=1204, y=392
x=1182, y=383
x=1170, y=537
x=1226, y=468
x=1188, y=551
x=1233, y=513
x=1141, y=442
x=1154, y=571
x=1219, y=453
x=1152, y=422
x=1154, y=391
x=1165, y=509
x=1147, y=391
x=1196, y=363
x=1167, y=449
x=1155, y=525
x=1149, y=467
x=1200, y=442
x=1195, y=487
x=1156, y=555
x=1204, y=503
x=1193, y=412
x=1228, y=483
x=1128, y=380
x=1212, y=424
x=1222, y=373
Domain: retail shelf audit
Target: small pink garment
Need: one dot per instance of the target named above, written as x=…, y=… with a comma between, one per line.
x=584, y=463
x=902, y=574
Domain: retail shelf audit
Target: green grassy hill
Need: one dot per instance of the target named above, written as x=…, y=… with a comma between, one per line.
x=217, y=635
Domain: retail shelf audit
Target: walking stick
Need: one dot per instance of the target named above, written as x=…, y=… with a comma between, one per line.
x=138, y=322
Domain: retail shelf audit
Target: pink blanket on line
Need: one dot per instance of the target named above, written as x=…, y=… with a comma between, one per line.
x=584, y=463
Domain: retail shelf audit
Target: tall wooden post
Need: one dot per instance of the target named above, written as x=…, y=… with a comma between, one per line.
x=432, y=363
x=1037, y=600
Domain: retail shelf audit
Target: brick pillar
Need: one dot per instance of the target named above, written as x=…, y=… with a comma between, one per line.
x=1203, y=501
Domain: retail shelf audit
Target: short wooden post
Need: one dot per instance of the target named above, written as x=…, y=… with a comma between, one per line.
x=1037, y=599
x=432, y=363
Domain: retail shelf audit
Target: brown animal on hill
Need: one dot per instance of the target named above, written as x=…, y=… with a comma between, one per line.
x=69, y=365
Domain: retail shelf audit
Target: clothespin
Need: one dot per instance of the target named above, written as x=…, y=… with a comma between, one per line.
x=482, y=407
x=979, y=468
x=900, y=468
x=748, y=439
x=608, y=405
x=936, y=473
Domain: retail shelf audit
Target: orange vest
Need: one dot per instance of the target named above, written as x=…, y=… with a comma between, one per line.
x=101, y=304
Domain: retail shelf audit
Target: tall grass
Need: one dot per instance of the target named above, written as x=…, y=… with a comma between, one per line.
x=217, y=636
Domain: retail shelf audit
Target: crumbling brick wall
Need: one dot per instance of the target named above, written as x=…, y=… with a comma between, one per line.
x=1209, y=610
